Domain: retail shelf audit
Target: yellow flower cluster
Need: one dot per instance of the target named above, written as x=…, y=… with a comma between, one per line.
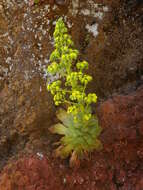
x=74, y=77
x=86, y=79
x=72, y=109
x=53, y=68
x=55, y=55
x=59, y=97
x=82, y=65
x=91, y=98
x=56, y=90
x=54, y=87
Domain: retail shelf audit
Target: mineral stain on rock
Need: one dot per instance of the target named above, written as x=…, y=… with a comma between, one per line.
x=109, y=36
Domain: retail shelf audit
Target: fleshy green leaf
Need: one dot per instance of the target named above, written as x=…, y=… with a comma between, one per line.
x=66, y=151
x=59, y=129
x=98, y=145
x=65, y=118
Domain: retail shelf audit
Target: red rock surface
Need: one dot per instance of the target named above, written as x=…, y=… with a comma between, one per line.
x=115, y=60
x=118, y=167
x=29, y=174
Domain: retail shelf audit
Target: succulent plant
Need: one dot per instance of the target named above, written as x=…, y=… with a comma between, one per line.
x=78, y=138
x=79, y=126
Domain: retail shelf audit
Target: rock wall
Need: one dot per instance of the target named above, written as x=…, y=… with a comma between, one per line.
x=108, y=35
